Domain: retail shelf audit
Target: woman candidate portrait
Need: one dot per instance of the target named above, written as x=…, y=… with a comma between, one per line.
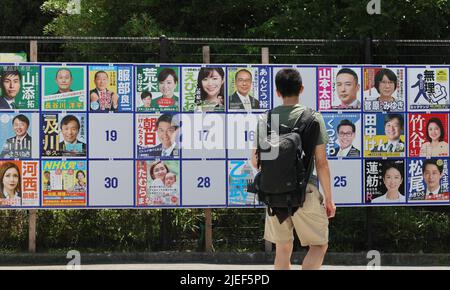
x=10, y=184
x=435, y=145
x=167, y=83
x=393, y=185
x=210, y=88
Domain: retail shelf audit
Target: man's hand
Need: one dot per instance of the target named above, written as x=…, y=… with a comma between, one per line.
x=331, y=209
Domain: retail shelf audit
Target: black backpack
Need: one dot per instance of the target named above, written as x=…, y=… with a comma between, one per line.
x=282, y=181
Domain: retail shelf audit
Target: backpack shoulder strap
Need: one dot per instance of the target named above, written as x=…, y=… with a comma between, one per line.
x=304, y=120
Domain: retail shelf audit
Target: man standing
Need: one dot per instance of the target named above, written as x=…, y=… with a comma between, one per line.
x=10, y=85
x=347, y=88
x=311, y=220
x=241, y=99
x=346, y=135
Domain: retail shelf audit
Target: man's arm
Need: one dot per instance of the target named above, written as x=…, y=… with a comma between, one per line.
x=254, y=159
x=323, y=172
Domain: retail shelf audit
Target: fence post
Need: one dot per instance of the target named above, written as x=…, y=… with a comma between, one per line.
x=163, y=49
x=265, y=60
x=166, y=219
x=208, y=211
x=32, y=213
x=369, y=214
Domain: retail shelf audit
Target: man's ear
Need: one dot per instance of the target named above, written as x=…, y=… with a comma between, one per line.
x=301, y=89
x=279, y=94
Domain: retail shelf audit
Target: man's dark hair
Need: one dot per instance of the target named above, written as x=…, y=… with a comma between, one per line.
x=438, y=122
x=346, y=122
x=348, y=71
x=390, y=117
x=69, y=118
x=22, y=118
x=165, y=73
x=389, y=74
x=146, y=94
x=165, y=118
x=434, y=162
x=9, y=71
x=288, y=82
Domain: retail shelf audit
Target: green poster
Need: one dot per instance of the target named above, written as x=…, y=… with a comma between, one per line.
x=19, y=89
x=64, y=88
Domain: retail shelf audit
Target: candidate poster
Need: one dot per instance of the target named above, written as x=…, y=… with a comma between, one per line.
x=64, y=88
x=384, y=135
x=204, y=89
x=110, y=88
x=384, y=181
x=64, y=183
x=249, y=88
x=19, y=87
x=339, y=88
x=428, y=180
x=64, y=135
x=19, y=182
x=240, y=174
x=344, y=135
x=158, y=183
x=19, y=135
x=384, y=89
x=428, y=135
x=428, y=88
x=157, y=88
x=157, y=135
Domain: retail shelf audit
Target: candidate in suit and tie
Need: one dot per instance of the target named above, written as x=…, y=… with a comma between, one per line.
x=393, y=129
x=346, y=135
x=18, y=146
x=241, y=99
x=10, y=84
x=70, y=146
x=432, y=171
x=347, y=88
x=167, y=126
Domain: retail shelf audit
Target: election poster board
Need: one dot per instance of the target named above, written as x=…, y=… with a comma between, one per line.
x=100, y=135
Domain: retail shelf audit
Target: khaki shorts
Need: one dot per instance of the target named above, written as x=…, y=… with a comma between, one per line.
x=310, y=222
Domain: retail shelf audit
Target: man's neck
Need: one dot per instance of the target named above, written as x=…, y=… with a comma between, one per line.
x=433, y=189
x=290, y=101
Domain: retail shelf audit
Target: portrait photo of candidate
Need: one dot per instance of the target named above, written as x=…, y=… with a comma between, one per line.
x=346, y=132
x=101, y=98
x=80, y=183
x=433, y=170
x=435, y=145
x=146, y=98
x=393, y=129
x=386, y=85
x=64, y=81
x=18, y=146
x=10, y=80
x=10, y=184
x=347, y=89
x=71, y=146
x=166, y=129
x=167, y=83
x=241, y=99
x=210, y=87
x=393, y=182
